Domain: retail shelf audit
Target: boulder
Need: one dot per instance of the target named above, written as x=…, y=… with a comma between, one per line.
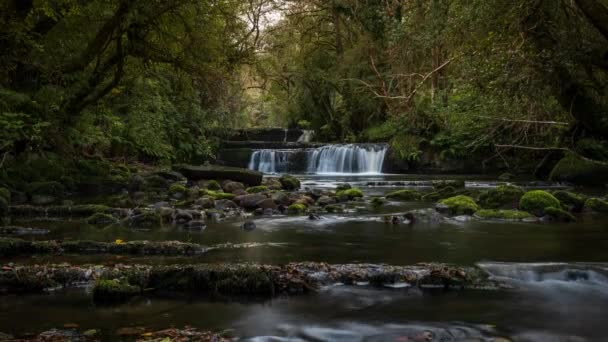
x=233, y=187
x=251, y=201
x=597, y=205
x=577, y=170
x=206, y=202
x=248, y=225
x=289, y=182
x=225, y=204
x=458, y=205
x=504, y=196
x=536, y=201
x=326, y=200
x=404, y=195
x=267, y=203
x=193, y=172
x=272, y=183
x=195, y=225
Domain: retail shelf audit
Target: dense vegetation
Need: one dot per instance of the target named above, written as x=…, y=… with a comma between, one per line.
x=163, y=80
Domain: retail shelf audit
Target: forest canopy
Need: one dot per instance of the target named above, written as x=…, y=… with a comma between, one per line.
x=163, y=80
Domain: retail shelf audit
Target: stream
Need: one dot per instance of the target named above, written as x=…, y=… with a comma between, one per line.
x=557, y=273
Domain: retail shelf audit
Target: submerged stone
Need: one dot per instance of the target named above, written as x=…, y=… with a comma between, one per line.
x=112, y=291
x=404, y=195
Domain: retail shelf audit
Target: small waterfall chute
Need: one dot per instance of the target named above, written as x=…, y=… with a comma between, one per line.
x=270, y=161
x=347, y=159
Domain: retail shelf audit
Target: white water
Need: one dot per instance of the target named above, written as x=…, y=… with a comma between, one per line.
x=361, y=159
x=347, y=159
x=306, y=136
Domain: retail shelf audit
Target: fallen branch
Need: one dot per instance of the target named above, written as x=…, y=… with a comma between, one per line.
x=525, y=121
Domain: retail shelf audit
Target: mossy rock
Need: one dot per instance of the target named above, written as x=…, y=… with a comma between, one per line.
x=289, y=182
x=460, y=205
x=218, y=195
x=445, y=192
x=177, y=188
x=349, y=194
x=155, y=182
x=343, y=186
x=536, y=201
x=213, y=185
x=501, y=214
x=334, y=208
x=597, y=205
x=296, y=209
x=112, y=291
x=576, y=170
x=55, y=189
x=574, y=202
x=404, y=195
x=257, y=189
x=559, y=214
x=377, y=202
x=504, y=196
x=441, y=184
x=145, y=219
x=101, y=219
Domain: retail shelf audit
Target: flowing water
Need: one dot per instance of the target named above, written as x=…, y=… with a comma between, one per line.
x=558, y=275
x=359, y=159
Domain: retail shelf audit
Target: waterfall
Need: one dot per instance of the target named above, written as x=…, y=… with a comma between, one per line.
x=270, y=161
x=351, y=158
x=330, y=159
x=306, y=136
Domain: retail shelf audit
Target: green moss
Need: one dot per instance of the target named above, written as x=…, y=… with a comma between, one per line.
x=597, y=205
x=145, y=219
x=101, y=219
x=343, y=186
x=502, y=214
x=442, y=184
x=505, y=196
x=289, y=182
x=536, y=201
x=404, y=195
x=257, y=189
x=334, y=208
x=574, y=201
x=350, y=194
x=377, y=202
x=6, y=194
x=45, y=188
x=559, y=214
x=155, y=182
x=574, y=169
x=218, y=195
x=214, y=185
x=461, y=205
x=177, y=188
x=110, y=291
x=296, y=209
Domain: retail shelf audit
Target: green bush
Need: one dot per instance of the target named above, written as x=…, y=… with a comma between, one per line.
x=460, y=205
x=536, y=201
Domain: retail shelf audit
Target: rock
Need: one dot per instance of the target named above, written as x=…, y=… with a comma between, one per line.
x=442, y=184
x=112, y=291
x=213, y=215
x=178, y=191
x=183, y=216
x=257, y=189
x=597, y=205
x=248, y=226
x=258, y=212
x=233, y=187
x=213, y=185
x=536, y=201
x=136, y=183
x=576, y=170
x=173, y=176
x=574, y=202
x=281, y=198
x=155, y=183
x=509, y=215
x=269, y=212
x=195, y=225
x=289, y=183
x=45, y=189
x=144, y=219
x=505, y=196
x=267, y=203
x=207, y=202
x=101, y=219
x=326, y=200
x=161, y=204
x=458, y=205
x=349, y=194
x=343, y=186
x=225, y=205
x=333, y=208
x=192, y=172
x=462, y=218
x=377, y=202
x=272, y=183
x=314, y=217
x=166, y=213
x=43, y=199
x=404, y=195
x=559, y=214
x=250, y=202
x=296, y=209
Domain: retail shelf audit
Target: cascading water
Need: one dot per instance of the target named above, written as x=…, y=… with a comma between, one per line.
x=330, y=159
x=270, y=161
x=306, y=136
x=351, y=158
